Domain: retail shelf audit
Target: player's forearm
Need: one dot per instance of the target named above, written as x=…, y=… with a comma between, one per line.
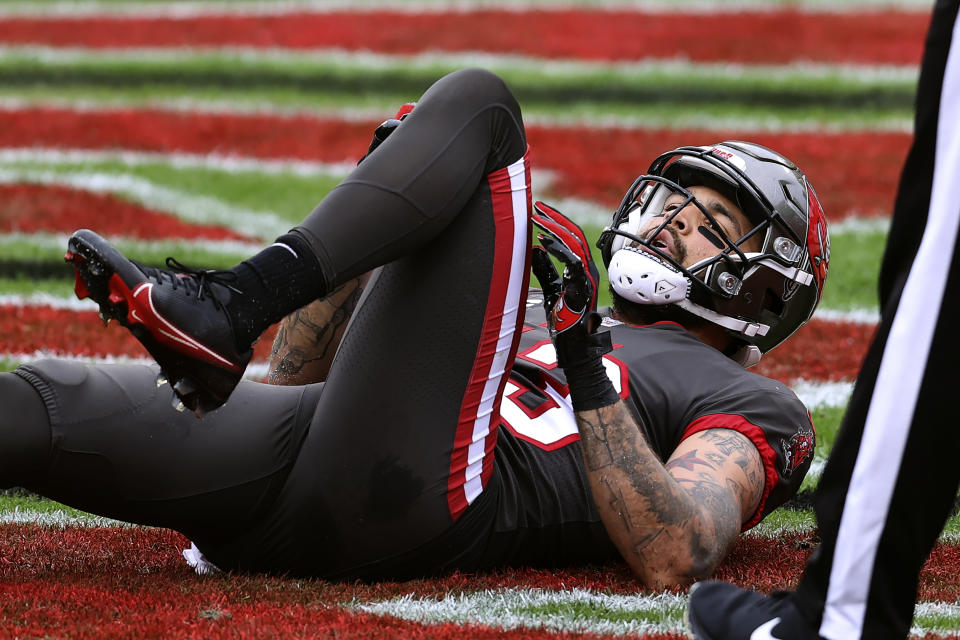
x=308, y=338
x=661, y=531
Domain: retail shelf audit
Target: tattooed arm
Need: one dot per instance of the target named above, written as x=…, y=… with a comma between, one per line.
x=672, y=523
x=308, y=338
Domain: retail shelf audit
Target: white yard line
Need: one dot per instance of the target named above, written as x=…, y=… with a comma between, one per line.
x=632, y=71
x=852, y=316
x=256, y=370
x=543, y=609
x=591, y=118
x=57, y=242
x=574, y=611
x=188, y=206
x=426, y=60
x=57, y=519
x=178, y=160
x=281, y=7
x=815, y=395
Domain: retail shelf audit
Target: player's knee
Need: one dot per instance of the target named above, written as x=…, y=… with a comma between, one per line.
x=481, y=85
x=475, y=89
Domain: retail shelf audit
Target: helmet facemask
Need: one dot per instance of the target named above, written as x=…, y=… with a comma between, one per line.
x=746, y=286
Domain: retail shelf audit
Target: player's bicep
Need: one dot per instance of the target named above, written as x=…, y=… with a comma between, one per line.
x=723, y=471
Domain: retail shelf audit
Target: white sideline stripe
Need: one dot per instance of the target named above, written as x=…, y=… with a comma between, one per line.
x=281, y=7
x=58, y=519
x=816, y=395
x=195, y=208
x=861, y=224
x=178, y=160
x=58, y=242
x=597, y=118
x=70, y=303
x=579, y=210
x=430, y=60
x=521, y=608
x=615, y=614
x=185, y=205
x=895, y=394
x=852, y=316
x=255, y=370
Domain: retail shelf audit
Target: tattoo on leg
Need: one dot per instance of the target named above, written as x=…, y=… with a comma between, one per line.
x=312, y=334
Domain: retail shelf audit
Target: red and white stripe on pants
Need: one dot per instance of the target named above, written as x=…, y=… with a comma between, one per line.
x=472, y=460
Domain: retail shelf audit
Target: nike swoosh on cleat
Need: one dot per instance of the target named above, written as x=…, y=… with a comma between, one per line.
x=763, y=631
x=143, y=296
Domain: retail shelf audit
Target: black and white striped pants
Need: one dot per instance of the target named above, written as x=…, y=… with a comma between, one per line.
x=892, y=477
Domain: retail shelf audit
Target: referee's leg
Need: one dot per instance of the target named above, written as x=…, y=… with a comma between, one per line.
x=892, y=476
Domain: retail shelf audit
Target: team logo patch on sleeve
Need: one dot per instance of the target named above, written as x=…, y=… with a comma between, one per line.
x=797, y=449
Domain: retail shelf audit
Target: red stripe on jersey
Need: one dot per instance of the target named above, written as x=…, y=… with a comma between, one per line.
x=472, y=456
x=757, y=437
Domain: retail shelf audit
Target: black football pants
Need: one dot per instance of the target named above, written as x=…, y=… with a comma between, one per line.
x=382, y=470
x=892, y=476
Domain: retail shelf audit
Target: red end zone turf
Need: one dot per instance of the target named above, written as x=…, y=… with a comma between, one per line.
x=855, y=172
x=133, y=582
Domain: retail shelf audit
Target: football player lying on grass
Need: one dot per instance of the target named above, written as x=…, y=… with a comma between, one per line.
x=460, y=425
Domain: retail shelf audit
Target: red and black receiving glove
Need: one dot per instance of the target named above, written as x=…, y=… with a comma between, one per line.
x=387, y=127
x=570, y=301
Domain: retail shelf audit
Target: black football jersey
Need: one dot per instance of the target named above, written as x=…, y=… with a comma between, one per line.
x=675, y=386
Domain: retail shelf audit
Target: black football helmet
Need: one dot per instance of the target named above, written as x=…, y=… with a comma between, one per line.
x=760, y=297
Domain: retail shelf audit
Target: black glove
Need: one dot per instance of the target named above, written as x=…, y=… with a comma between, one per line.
x=571, y=302
x=387, y=127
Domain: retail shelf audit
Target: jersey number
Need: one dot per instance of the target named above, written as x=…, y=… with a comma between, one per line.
x=550, y=423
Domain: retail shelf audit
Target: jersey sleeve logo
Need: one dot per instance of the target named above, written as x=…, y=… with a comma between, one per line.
x=797, y=449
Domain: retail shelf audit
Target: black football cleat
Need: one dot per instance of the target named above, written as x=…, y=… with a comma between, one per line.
x=722, y=611
x=178, y=315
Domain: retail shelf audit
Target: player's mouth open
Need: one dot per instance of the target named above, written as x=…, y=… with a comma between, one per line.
x=664, y=243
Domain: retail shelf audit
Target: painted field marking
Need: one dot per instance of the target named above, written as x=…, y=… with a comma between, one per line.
x=256, y=370
x=282, y=7
x=646, y=119
x=436, y=60
x=57, y=242
x=576, y=610
x=178, y=160
x=586, y=611
x=188, y=206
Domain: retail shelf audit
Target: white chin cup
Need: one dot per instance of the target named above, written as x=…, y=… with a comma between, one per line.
x=643, y=278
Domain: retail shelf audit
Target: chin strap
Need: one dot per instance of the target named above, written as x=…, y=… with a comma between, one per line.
x=749, y=329
x=644, y=278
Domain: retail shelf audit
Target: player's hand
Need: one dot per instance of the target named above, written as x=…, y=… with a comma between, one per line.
x=387, y=127
x=570, y=300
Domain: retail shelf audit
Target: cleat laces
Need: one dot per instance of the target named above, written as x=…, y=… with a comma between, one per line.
x=196, y=281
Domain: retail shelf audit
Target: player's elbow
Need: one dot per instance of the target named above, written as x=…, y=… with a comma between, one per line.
x=689, y=562
x=663, y=579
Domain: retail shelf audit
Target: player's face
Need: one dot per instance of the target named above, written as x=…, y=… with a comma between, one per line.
x=690, y=236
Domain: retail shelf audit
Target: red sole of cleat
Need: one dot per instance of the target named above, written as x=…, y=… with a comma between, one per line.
x=79, y=286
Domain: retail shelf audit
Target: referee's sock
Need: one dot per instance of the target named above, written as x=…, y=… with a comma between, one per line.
x=275, y=282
